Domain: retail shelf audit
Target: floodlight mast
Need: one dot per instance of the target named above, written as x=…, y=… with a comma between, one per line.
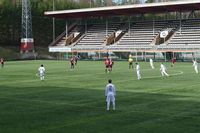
x=27, y=41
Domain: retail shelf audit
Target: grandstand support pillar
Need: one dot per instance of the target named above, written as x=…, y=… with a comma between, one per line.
x=145, y=58
x=136, y=56
x=129, y=26
x=99, y=55
x=108, y=54
x=142, y=55
x=180, y=21
x=106, y=27
x=66, y=29
x=153, y=26
x=165, y=56
x=176, y=13
x=85, y=26
x=195, y=55
x=53, y=21
x=166, y=15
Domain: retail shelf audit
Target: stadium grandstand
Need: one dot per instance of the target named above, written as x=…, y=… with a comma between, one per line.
x=150, y=27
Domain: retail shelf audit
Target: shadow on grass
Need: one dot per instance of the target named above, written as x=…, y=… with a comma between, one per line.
x=54, y=109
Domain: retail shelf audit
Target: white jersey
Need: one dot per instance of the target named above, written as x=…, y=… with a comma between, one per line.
x=137, y=67
x=151, y=61
x=41, y=70
x=195, y=64
x=163, y=70
x=162, y=67
x=138, y=71
x=110, y=95
x=110, y=90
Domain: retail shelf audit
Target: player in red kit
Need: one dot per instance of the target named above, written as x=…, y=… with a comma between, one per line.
x=75, y=59
x=2, y=62
x=173, y=61
x=107, y=63
x=72, y=62
x=111, y=63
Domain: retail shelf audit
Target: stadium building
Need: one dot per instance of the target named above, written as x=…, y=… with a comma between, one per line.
x=166, y=29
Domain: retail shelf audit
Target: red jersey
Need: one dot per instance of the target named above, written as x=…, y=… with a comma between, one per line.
x=72, y=60
x=173, y=60
x=2, y=61
x=111, y=63
x=106, y=62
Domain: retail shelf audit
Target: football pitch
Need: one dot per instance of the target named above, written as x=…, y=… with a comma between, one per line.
x=73, y=101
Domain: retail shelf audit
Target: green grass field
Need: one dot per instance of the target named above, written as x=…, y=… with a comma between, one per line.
x=73, y=101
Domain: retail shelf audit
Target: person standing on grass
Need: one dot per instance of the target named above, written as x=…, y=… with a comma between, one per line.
x=110, y=93
x=195, y=65
x=111, y=63
x=41, y=71
x=151, y=63
x=75, y=59
x=107, y=63
x=163, y=70
x=138, y=71
x=72, y=61
x=130, y=62
x=2, y=62
x=173, y=61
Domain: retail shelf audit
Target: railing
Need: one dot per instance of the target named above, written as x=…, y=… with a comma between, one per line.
x=59, y=38
x=69, y=39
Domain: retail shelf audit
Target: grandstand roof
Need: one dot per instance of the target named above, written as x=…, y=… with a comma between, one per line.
x=182, y=6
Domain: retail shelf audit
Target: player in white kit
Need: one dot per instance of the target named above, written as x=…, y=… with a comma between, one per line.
x=138, y=71
x=195, y=65
x=163, y=70
x=110, y=94
x=41, y=71
x=151, y=63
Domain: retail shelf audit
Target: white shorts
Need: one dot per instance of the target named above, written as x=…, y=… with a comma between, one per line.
x=41, y=74
x=110, y=97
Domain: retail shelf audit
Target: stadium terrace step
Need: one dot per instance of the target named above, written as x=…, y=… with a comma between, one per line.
x=188, y=34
